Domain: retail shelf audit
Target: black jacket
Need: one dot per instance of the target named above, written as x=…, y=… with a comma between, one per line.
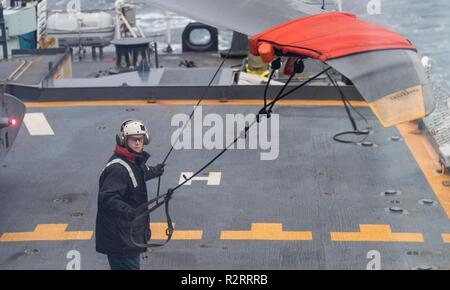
x=118, y=197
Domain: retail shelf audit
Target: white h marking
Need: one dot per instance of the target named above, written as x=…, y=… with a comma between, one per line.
x=213, y=178
x=37, y=124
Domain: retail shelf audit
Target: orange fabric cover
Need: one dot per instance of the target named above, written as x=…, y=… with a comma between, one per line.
x=327, y=36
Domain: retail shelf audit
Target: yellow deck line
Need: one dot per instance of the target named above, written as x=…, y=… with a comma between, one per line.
x=159, y=233
x=428, y=161
x=376, y=233
x=47, y=232
x=446, y=238
x=189, y=102
x=57, y=232
x=258, y=231
x=268, y=232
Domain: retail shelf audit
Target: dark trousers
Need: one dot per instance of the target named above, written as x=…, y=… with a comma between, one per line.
x=128, y=263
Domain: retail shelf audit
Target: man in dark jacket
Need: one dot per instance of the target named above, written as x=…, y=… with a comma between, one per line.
x=122, y=188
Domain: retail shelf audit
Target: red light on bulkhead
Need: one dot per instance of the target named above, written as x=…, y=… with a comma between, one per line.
x=12, y=122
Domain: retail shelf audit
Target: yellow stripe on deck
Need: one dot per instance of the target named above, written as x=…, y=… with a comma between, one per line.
x=270, y=232
x=47, y=232
x=57, y=232
x=446, y=238
x=428, y=162
x=159, y=233
x=190, y=102
x=258, y=231
x=376, y=233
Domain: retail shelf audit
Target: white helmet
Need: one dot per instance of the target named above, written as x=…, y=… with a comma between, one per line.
x=132, y=127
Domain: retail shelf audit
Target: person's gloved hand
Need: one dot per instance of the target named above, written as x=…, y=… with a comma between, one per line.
x=160, y=169
x=154, y=172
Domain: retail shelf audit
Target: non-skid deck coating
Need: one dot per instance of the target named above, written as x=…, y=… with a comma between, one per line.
x=318, y=206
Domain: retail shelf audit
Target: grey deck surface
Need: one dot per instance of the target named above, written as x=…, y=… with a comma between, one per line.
x=7, y=68
x=34, y=74
x=37, y=72
x=89, y=68
x=315, y=185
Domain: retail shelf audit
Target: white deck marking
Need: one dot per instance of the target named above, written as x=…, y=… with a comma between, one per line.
x=37, y=124
x=213, y=178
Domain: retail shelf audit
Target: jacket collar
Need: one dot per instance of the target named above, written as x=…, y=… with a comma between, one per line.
x=131, y=156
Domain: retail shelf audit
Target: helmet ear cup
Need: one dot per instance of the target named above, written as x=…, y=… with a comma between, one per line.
x=147, y=138
x=120, y=140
